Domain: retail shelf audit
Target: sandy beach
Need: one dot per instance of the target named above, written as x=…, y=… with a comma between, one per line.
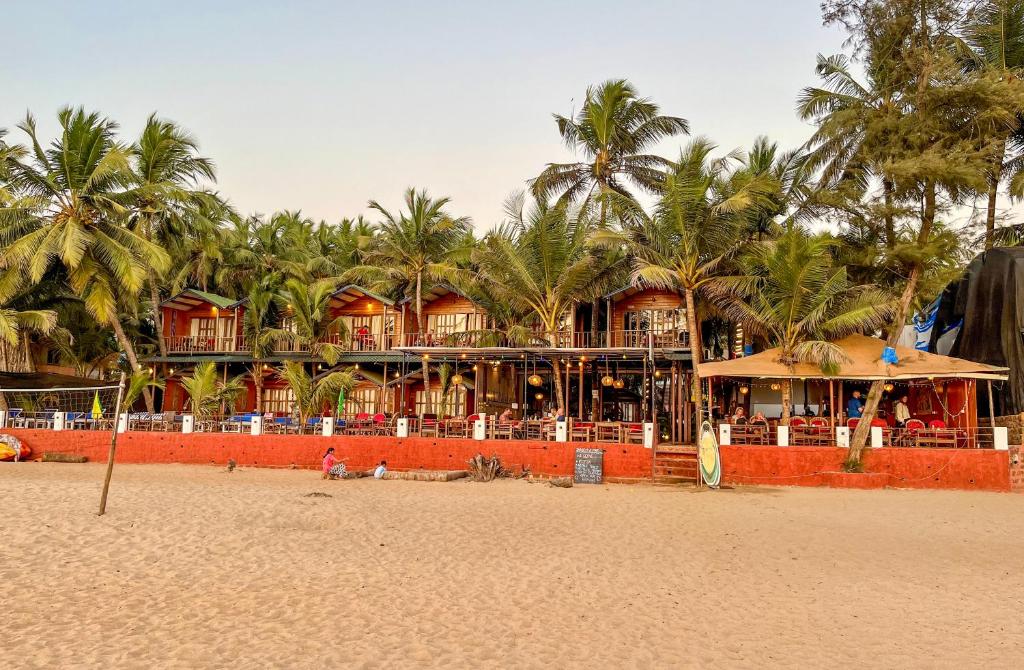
x=197, y=567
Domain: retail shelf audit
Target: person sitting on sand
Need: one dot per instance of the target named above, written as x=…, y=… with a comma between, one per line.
x=333, y=468
x=378, y=473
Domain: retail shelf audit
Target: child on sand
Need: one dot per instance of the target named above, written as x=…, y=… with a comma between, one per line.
x=378, y=473
x=332, y=467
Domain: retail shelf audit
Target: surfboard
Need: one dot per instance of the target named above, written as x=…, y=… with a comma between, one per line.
x=708, y=457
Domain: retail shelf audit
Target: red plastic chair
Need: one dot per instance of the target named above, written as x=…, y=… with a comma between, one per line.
x=819, y=422
x=937, y=423
x=880, y=423
x=852, y=423
x=797, y=421
x=914, y=425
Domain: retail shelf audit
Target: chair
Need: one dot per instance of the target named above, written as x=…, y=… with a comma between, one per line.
x=937, y=423
x=632, y=433
x=429, y=427
x=16, y=418
x=380, y=424
x=797, y=421
x=502, y=429
x=852, y=423
x=581, y=430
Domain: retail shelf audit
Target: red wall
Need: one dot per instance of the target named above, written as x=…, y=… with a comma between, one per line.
x=621, y=462
x=978, y=469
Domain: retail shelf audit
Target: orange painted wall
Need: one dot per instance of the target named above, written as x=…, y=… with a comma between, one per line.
x=973, y=469
x=624, y=462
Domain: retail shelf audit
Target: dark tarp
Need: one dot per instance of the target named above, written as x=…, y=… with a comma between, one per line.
x=989, y=298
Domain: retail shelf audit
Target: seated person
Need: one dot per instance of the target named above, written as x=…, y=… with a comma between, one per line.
x=559, y=414
x=739, y=416
x=506, y=416
x=759, y=419
x=379, y=471
x=902, y=411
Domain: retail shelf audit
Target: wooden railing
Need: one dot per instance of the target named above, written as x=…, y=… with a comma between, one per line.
x=619, y=339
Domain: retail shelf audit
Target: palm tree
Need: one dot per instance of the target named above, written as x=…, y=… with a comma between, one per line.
x=260, y=335
x=995, y=38
x=423, y=244
x=308, y=309
x=540, y=262
x=314, y=395
x=166, y=205
x=15, y=327
x=77, y=218
x=612, y=130
x=697, y=227
x=207, y=392
x=792, y=297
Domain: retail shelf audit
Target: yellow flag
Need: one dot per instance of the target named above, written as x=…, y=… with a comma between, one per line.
x=97, y=408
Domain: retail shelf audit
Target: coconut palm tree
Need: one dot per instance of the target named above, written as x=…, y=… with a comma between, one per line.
x=308, y=310
x=539, y=260
x=165, y=200
x=994, y=36
x=261, y=312
x=422, y=245
x=314, y=395
x=207, y=391
x=698, y=225
x=75, y=215
x=791, y=296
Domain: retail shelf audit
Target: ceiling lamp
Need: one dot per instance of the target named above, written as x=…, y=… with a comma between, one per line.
x=888, y=387
x=619, y=384
x=776, y=386
x=607, y=380
x=538, y=396
x=456, y=379
x=744, y=390
x=535, y=379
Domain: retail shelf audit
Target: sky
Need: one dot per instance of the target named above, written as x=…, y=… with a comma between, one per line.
x=322, y=106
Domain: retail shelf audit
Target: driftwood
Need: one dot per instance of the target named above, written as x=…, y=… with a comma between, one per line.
x=54, y=457
x=561, y=482
x=484, y=469
x=232, y=464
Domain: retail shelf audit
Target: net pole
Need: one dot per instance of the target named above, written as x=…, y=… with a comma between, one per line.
x=113, y=446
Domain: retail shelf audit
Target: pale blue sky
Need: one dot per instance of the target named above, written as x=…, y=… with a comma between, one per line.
x=321, y=106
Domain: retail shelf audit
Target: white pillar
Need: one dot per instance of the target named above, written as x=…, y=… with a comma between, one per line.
x=782, y=436
x=843, y=437
x=876, y=437
x=402, y=427
x=724, y=434
x=327, y=426
x=480, y=428
x=649, y=435
x=122, y=422
x=561, y=431
x=188, y=423
x=256, y=425
x=1001, y=438
x=3, y=418
x=59, y=420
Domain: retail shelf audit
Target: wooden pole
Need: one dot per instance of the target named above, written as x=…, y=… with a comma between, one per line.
x=580, y=414
x=991, y=407
x=113, y=447
x=832, y=405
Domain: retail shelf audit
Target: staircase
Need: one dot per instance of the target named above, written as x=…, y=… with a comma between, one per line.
x=675, y=464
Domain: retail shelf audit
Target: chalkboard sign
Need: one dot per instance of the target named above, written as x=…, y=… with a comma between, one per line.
x=589, y=467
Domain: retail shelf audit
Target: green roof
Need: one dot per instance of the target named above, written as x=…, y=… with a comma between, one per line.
x=218, y=301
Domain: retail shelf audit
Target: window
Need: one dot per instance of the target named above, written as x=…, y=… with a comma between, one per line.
x=455, y=403
x=204, y=328
x=278, y=401
x=447, y=324
x=367, y=399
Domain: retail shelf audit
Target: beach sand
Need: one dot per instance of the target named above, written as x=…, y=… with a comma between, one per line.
x=196, y=567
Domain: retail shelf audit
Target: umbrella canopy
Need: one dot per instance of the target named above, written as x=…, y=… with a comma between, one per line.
x=865, y=361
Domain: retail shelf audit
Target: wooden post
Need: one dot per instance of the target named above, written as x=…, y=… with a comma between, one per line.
x=832, y=405
x=580, y=414
x=991, y=407
x=113, y=447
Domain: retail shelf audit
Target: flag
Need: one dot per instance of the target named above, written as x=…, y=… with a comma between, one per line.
x=97, y=408
x=341, y=403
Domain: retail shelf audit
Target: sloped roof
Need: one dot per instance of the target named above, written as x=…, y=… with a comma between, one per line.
x=435, y=292
x=191, y=297
x=351, y=293
x=865, y=362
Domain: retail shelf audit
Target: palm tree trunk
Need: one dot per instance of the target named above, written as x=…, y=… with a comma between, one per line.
x=133, y=360
x=787, y=400
x=419, y=329
x=559, y=400
x=257, y=382
x=860, y=435
x=889, y=217
x=993, y=193
x=696, y=351
x=154, y=299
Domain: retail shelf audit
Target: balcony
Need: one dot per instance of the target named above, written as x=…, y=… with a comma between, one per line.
x=620, y=339
x=192, y=344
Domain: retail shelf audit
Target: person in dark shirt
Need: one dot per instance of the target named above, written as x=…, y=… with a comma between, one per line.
x=855, y=406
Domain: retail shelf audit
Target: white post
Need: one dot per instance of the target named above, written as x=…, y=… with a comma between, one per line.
x=402, y=427
x=480, y=428
x=724, y=434
x=649, y=436
x=843, y=437
x=122, y=422
x=876, y=437
x=327, y=426
x=782, y=436
x=561, y=431
x=256, y=425
x=3, y=418
x=1001, y=438
x=188, y=423
x=59, y=419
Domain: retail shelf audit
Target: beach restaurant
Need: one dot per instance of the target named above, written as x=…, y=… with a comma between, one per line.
x=939, y=397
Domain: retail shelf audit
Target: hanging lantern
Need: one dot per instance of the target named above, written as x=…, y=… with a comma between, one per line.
x=535, y=379
x=456, y=379
x=744, y=390
x=607, y=380
x=538, y=396
x=619, y=384
x=888, y=387
x=776, y=386
x=657, y=373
